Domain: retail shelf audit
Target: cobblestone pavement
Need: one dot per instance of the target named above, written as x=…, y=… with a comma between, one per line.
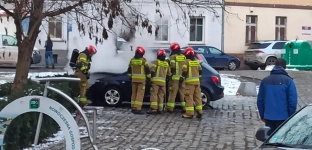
x=231, y=125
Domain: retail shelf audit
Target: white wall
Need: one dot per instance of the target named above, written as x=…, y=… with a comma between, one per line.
x=178, y=31
x=7, y=24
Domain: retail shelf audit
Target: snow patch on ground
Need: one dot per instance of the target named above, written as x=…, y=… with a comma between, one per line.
x=269, y=68
x=230, y=85
x=33, y=75
x=58, y=137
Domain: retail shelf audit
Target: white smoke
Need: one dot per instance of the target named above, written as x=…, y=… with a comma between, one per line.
x=106, y=59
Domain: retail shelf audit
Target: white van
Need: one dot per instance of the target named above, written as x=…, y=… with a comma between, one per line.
x=9, y=51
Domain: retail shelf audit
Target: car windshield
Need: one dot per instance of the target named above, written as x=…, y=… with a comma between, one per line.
x=258, y=45
x=297, y=131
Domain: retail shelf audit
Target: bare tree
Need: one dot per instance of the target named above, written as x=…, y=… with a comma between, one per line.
x=94, y=18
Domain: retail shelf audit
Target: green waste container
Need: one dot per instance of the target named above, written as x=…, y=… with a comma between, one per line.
x=297, y=54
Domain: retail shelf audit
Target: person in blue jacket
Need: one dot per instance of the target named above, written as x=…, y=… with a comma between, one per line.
x=49, y=52
x=277, y=97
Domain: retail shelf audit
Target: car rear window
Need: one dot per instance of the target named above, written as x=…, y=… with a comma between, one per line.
x=258, y=45
x=209, y=68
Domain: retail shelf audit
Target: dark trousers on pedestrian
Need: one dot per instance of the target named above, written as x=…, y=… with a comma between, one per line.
x=273, y=124
x=49, y=55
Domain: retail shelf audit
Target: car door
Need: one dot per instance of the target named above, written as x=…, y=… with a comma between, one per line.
x=218, y=58
x=9, y=44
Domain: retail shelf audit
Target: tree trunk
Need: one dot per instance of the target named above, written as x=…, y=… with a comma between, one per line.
x=22, y=67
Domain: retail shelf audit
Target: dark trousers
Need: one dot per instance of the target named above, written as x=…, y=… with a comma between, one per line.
x=273, y=124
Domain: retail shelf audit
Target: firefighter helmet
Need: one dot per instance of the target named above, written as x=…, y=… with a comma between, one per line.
x=189, y=51
x=161, y=52
x=175, y=46
x=91, y=49
x=140, y=50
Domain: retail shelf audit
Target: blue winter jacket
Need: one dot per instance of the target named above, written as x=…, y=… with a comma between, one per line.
x=48, y=45
x=277, y=97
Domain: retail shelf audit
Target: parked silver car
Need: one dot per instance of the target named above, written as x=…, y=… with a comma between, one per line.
x=262, y=54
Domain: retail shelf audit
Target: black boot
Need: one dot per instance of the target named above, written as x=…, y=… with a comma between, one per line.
x=183, y=111
x=199, y=116
x=159, y=111
x=152, y=111
x=137, y=112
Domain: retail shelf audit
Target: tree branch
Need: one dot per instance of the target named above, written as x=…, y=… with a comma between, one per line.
x=6, y=11
x=64, y=10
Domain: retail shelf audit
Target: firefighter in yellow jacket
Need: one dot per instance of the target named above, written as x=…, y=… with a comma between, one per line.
x=191, y=74
x=139, y=73
x=83, y=65
x=176, y=61
x=160, y=71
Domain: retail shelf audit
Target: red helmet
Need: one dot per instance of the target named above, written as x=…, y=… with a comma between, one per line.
x=91, y=49
x=140, y=50
x=175, y=46
x=189, y=51
x=161, y=52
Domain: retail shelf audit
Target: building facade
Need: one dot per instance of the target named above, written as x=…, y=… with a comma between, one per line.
x=249, y=21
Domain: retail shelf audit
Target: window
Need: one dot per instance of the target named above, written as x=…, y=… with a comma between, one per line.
x=196, y=29
x=201, y=50
x=214, y=51
x=162, y=24
x=55, y=27
x=8, y=40
x=251, y=29
x=296, y=132
x=258, y=45
x=279, y=45
x=280, y=28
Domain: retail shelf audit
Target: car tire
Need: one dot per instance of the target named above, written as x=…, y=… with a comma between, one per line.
x=262, y=67
x=270, y=61
x=253, y=67
x=112, y=96
x=232, y=65
x=206, y=98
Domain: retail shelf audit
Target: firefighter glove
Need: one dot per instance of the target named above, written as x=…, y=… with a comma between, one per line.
x=181, y=81
x=79, y=65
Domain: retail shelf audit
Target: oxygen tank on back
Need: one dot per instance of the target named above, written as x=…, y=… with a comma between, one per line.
x=74, y=58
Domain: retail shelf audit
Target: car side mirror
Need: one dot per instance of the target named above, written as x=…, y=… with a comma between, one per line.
x=262, y=134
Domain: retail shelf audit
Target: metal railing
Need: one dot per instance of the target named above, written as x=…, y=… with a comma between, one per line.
x=73, y=102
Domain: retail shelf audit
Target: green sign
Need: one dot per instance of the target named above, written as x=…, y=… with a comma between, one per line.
x=34, y=103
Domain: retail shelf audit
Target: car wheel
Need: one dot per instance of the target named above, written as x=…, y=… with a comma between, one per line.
x=253, y=67
x=232, y=65
x=112, y=96
x=262, y=67
x=205, y=96
x=270, y=61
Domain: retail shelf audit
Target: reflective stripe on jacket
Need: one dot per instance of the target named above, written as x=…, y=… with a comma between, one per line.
x=176, y=63
x=192, y=67
x=138, y=67
x=84, y=61
x=161, y=69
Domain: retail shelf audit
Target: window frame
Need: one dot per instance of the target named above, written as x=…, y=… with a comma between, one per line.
x=249, y=24
x=161, y=25
x=57, y=19
x=278, y=27
x=203, y=30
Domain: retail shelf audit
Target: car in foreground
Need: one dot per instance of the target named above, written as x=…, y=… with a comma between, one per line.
x=262, y=54
x=216, y=58
x=295, y=133
x=113, y=89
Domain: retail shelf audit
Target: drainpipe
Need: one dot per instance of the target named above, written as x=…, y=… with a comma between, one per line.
x=222, y=30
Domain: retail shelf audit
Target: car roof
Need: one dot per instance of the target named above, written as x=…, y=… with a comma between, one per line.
x=269, y=41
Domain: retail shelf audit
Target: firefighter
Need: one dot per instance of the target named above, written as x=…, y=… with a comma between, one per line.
x=160, y=71
x=176, y=60
x=83, y=65
x=191, y=74
x=139, y=74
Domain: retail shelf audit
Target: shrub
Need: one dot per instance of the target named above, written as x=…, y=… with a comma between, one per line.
x=21, y=132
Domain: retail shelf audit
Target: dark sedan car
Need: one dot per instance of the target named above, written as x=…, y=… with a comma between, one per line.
x=295, y=133
x=114, y=89
x=216, y=58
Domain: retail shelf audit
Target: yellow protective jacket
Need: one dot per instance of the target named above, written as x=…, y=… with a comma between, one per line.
x=192, y=71
x=176, y=63
x=83, y=63
x=138, y=70
x=159, y=72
